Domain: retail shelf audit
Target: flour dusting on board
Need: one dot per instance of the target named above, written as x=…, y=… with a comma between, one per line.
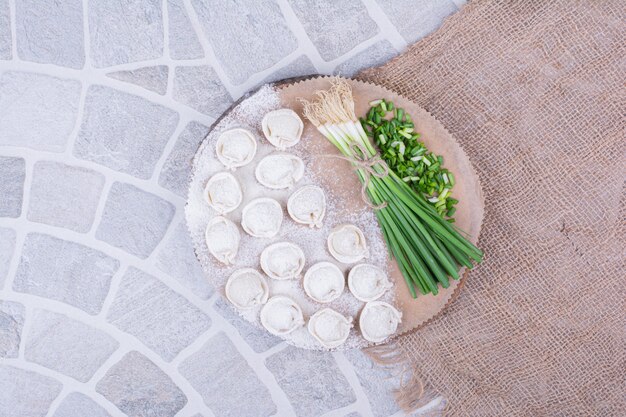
x=313, y=241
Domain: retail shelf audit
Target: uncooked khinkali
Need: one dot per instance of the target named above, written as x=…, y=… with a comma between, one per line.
x=283, y=260
x=324, y=282
x=281, y=315
x=282, y=128
x=329, y=327
x=378, y=321
x=346, y=243
x=278, y=171
x=368, y=282
x=222, y=238
x=307, y=205
x=262, y=217
x=235, y=148
x=246, y=288
x=223, y=192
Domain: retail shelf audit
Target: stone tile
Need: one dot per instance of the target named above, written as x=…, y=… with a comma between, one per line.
x=127, y=31
x=225, y=380
x=26, y=393
x=123, y=132
x=184, y=43
x=5, y=30
x=150, y=78
x=64, y=196
x=162, y=319
x=12, y=175
x=177, y=168
x=377, y=382
x=82, y=275
x=415, y=19
x=258, y=339
x=50, y=32
x=375, y=55
x=38, y=111
x=140, y=389
x=134, y=220
x=247, y=36
x=326, y=388
x=335, y=27
x=299, y=67
x=11, y=325
x=79, y=405
x=177, y=259
x=67, y=346
x=7, y=247
x=201, y=89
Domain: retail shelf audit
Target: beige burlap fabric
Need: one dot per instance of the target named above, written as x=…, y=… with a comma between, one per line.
x=535, y=93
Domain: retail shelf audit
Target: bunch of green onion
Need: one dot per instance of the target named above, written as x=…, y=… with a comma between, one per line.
x=401, y=149
x=427, y=248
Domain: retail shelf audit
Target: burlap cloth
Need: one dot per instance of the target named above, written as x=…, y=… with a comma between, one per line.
x=535, y=93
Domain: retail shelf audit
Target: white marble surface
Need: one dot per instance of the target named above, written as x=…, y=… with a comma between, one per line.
x=104, y=310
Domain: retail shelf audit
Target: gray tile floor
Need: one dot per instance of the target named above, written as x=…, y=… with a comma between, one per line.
x=103, y=308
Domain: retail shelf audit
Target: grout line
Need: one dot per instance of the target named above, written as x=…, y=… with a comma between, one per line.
x=20, y=237
x=114, y=285
x=166, y=49
x=86, y=35
x=28, y=322
x=181, y=124
x=69, y=145
x=135, y=65
x=297, y=28
x=104, y=196
x=209, y=55
x=257, y=363
x=13, y=24
x=20, y=234
x=348, y=370
x=459, y=3
x=387, y=29
x=54, y=405
x=273, y=350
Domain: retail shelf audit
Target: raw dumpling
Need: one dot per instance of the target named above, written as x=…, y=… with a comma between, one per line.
x=235, y=148
x=368, y=282
x=282, y=128
x=378, y=321
x=279, y=171
x=307, y=205
x=222, y=238
x=283, y=260
x=223, y=192
x=329, y=327
x=262, y=217
x=324, y=282
x=346, y=243
x=246, y=288
x=281, y=315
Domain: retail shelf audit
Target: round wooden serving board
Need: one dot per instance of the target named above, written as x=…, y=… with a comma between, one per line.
x=338, y=177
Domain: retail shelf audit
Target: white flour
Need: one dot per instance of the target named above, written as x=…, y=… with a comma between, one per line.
x=249, y=114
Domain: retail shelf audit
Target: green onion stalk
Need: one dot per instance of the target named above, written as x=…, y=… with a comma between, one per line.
x=428, y=249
